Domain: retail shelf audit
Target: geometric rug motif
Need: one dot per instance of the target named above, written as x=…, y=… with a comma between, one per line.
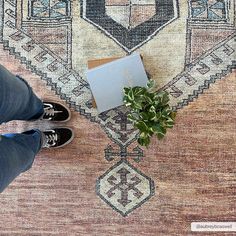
x=207, y=41
x=124, y=188
x=209, y=10
x=130, y=23
x=48, y=9
x=54, y=39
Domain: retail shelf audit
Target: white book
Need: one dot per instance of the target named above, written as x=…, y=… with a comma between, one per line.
x=108, y=81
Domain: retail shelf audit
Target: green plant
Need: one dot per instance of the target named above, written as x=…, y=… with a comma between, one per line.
x=149, y=111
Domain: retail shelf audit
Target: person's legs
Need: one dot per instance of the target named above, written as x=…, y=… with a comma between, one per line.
x=17, y=153
x=17, y=100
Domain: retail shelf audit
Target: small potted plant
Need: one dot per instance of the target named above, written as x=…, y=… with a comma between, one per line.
x=149, y=111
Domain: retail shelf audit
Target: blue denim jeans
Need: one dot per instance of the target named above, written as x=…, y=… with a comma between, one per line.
x=17, y=102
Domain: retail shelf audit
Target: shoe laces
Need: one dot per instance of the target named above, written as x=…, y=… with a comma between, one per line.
x=49, y=111
x=51, y=138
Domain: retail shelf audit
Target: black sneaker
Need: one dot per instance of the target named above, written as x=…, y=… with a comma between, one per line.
x=57, y=137
x=54, y=111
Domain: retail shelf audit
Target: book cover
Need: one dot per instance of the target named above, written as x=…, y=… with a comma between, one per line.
x=107, y=81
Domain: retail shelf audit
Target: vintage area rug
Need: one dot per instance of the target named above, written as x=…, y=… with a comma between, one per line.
x=104, y=183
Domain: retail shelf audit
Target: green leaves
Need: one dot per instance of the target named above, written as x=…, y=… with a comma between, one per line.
x=159, y=130
x=144, y=139
x=150, y=83
x=142, y=126
x=150, y=112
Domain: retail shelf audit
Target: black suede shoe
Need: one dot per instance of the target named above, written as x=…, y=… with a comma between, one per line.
x=57, y=112
x=57, y=137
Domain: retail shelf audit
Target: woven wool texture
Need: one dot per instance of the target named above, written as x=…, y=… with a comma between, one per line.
x=103, y=183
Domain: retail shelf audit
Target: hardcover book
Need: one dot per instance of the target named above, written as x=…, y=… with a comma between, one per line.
x=108, y=80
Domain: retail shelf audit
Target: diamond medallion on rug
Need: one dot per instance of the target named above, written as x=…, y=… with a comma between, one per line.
x=124, y=187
